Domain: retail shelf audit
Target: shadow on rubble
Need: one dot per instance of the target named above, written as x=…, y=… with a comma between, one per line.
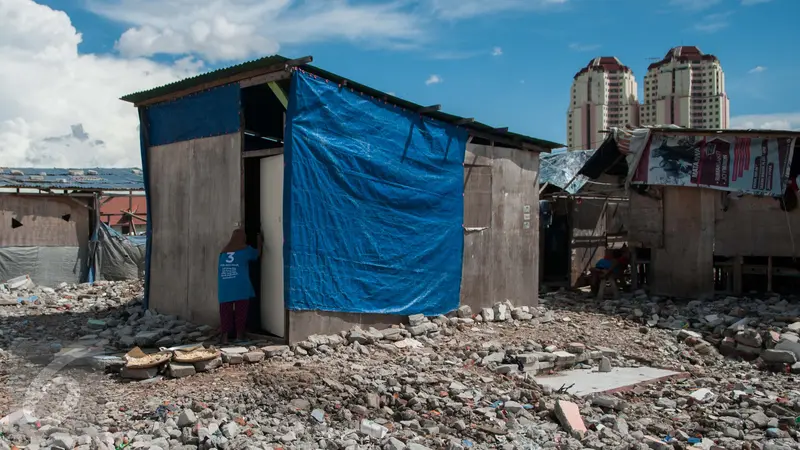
x=41, y=335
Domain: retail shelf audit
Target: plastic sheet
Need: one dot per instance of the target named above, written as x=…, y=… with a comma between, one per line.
x=373, y=204
x=119, y=257
x=47, y=266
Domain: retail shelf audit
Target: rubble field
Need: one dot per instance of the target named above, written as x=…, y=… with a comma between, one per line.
x=473, y=379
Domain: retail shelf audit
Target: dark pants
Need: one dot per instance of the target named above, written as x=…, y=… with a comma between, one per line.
x=233, y=315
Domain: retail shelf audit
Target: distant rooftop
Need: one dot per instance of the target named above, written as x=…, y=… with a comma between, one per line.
x=604, y=64
x=96, y=179
x=684, y=53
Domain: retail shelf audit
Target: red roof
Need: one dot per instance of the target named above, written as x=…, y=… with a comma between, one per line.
x=113, y=207
x=685, y=53
x=604, y=64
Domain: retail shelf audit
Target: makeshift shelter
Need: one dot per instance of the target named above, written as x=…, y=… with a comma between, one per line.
x=372, y=207
x=579, y=218
x=50, y=226
x=717, y=209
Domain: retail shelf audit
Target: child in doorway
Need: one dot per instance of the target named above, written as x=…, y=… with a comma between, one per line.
x=613, y=264
x=234, y=289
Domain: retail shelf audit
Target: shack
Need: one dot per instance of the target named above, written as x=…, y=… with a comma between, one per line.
x=51, y=228
x=715, y=210
x=579, y=218
x=371, y=207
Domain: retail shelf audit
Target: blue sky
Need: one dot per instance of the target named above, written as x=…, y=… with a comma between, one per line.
x=508, y=63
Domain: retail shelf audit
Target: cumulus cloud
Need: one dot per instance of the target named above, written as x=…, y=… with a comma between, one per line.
x=433, y=79
x=780, y=121
x=237, y=29
x=757, y=69
x=497, y=51
x=47, y=87
x=464, y=9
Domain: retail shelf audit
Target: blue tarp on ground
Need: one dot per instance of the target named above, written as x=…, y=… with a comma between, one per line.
x=373, y=204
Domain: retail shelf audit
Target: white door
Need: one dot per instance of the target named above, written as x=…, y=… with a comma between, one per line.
x=272, y=307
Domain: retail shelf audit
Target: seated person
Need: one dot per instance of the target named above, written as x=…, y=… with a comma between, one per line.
x=613, y=264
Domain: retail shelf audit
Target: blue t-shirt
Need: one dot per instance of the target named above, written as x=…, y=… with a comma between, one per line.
x=233, y=275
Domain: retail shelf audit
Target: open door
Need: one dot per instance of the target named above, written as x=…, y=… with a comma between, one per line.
x=273, y=312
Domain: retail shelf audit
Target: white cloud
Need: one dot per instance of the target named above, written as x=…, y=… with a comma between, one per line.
x=778, y=121
x=238, y=29
x=464, y=9
x=46, y=87
x=694, y=5
x=433, y=79
x=754, y=2
x=713, y=23
x=497, y=51
x=757, y=69
x=583, y=47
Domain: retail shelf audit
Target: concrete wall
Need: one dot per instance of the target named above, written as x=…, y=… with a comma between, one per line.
x=42, y=220
x=755, y=226
x=195, y=189
x=501, y=257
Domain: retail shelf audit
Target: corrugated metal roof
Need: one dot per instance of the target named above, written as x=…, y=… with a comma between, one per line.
x=211, y=77
x=561, y=169
x=208, y=77
x=96, y=179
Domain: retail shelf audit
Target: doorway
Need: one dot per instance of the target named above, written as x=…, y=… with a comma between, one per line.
x=273, y=312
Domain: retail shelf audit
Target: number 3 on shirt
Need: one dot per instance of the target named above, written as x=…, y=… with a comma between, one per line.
x=230, y=258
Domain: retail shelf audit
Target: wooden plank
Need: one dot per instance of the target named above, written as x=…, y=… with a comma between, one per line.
x=645, y=220
x=266, y=78
x=685, y=266
x=501, y=262
x=755, y=226
x=737, y=275
x=477, y=196
x=588, y=243
x=168, y=169
x=214, y=211
x=263, y=153
x=42, y=221
x=769, y=274
x=278, y=91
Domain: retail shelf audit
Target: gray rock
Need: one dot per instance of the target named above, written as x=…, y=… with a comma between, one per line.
x=605, y=365
x=275, y=350
x=513, y=407
x=487, y=314
x=778, y=356
x=230, y=430
x=416, y=319
x=187, y=418
x=750, y=338
x=178, y=370
x=139, y=374
x=63, y=440
x=395, y=444
x=233, y=358
x=253, y=357
x=204, y=366
x=760, y=419
x=464, y=312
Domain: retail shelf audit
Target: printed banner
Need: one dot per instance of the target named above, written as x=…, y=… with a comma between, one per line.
x=726, y=162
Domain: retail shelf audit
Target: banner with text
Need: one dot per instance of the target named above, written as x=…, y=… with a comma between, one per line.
x=727, y=162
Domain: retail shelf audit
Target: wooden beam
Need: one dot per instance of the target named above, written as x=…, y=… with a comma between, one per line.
x=428, y=109
x=263, y=153
x=501, y=130
x=278, y=91
x=738, y=262
x=769, y=273
x=279, y=67
x=300, y=61
x=266, y=78
x=465, y=120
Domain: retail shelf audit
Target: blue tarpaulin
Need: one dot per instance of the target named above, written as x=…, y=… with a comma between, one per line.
x=373, y=204
x=205, y=114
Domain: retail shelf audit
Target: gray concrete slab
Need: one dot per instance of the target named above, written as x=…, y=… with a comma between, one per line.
x=590, y=381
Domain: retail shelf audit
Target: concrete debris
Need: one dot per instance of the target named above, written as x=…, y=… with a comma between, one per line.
x=455, y=381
